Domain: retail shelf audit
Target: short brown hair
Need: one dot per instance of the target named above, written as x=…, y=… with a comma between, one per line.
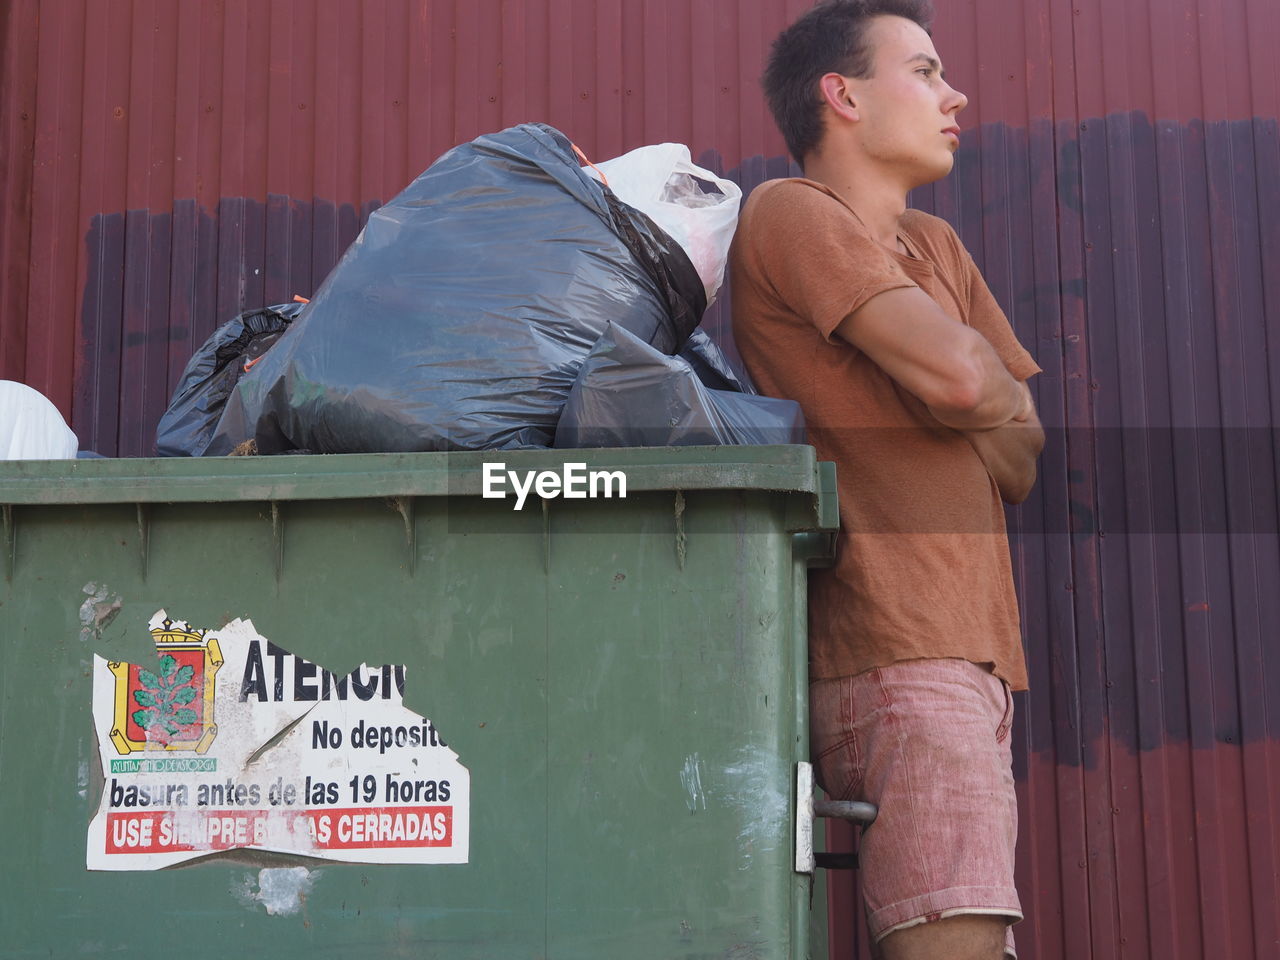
x=830, y=38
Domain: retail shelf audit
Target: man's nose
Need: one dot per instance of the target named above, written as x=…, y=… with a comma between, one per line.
x=955, y=100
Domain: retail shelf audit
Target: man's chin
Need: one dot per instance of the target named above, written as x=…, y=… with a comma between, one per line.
x=934, y=173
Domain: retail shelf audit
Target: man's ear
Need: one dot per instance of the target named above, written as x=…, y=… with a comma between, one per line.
x=837, y=91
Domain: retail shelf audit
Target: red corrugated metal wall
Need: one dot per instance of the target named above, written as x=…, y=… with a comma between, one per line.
x=164, y=165
x=186, y=160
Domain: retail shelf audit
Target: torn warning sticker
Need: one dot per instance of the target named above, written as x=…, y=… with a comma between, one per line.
x=228, y=742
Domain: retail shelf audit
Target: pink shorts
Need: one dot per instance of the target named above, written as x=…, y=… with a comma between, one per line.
x=927, y=741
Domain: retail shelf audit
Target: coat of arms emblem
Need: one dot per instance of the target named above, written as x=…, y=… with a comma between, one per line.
x=169, y=707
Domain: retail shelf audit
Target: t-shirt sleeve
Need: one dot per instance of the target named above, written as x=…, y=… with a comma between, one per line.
x=817, y=258
x=988, y=319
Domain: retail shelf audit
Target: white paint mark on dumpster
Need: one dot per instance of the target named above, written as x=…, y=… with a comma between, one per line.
x=246, y=893
x=228, y=742
x=691, y=777
x=283, y=889
x=98, y=610
x=762, y=799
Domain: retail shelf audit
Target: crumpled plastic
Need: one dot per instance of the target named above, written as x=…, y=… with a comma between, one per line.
x=187, y=427
x=694, y=206
x=31, y=428
x=459, y=318
x=630, y=395
x=712, y=366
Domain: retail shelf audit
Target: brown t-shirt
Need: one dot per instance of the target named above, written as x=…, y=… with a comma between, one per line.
x=922, y=566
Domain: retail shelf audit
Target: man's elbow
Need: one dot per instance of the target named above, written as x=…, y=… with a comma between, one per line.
x=1016, y=490
x=1018, y=485
x=961, y=395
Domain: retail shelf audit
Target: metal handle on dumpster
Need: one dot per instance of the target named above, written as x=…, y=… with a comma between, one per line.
x=807, y=808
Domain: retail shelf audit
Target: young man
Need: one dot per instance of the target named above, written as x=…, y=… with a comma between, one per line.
x=876, y=320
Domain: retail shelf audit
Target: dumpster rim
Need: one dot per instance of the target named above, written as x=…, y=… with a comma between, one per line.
x=781, y=468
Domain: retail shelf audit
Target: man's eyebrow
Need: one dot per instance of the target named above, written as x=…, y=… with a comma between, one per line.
x=931, y=61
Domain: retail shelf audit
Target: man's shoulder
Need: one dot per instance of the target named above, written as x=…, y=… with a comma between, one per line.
x=791, y=197
x=794, y=214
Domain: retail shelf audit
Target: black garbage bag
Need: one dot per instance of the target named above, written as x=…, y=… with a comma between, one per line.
x=460, y=316
x=712, y=366
x=630, y=395
x=212, y=373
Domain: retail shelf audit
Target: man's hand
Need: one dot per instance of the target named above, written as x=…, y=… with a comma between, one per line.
x=951, y=367
x=1009, y=451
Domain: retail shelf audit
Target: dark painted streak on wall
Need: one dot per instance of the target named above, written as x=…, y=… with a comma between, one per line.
x=160, y=283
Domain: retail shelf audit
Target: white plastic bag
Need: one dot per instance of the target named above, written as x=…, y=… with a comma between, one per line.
x=31, y=428
x=698, y=209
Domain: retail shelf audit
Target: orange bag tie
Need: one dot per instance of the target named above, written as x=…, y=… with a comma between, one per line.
x=583, y=157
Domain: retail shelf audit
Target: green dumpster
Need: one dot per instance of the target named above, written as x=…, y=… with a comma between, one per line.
x=363, y=706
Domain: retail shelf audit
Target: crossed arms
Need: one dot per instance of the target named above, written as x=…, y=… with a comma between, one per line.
x=956, y=373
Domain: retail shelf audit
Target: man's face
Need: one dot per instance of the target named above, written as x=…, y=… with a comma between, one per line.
x=907, y=112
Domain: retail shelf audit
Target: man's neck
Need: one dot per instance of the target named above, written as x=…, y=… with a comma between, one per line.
x=878, y=202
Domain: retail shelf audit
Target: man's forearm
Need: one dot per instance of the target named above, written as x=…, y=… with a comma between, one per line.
x=990, y=396
x=1009, y=452
x=949, y=366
